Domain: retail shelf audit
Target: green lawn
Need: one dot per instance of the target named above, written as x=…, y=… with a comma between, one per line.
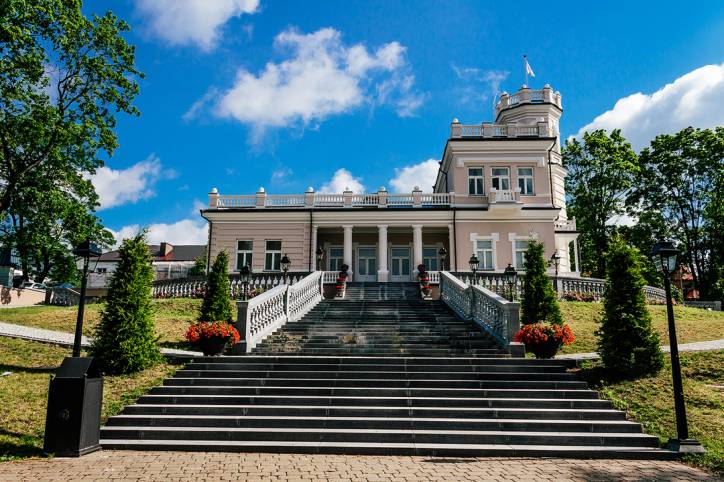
x=24, y=393
x=172, y=317
x=692, y=324
x=649, y=401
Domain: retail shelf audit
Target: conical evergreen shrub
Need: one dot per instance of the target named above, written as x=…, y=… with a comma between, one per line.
x=217, y=300
x=124, y=340
x=539, y=303
x=628, y=346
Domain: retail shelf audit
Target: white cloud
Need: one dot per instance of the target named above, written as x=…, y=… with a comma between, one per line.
x=694, y=99
x=422, y=175
x=341, y=180
x=116, y=187
x=281, y=175
x=185, y=231
x=321, y=77
x=185, y=22
x=477, y=85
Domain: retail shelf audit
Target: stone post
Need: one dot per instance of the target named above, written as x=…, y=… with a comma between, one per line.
x=214, y=198
x=260, y=198
x=382, y=197
x=242, y=326
x=455, y=129
x=417, y=197
x=309, y=197
x=347, y=198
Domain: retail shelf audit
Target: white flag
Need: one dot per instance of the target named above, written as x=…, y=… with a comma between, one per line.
x=528, y=70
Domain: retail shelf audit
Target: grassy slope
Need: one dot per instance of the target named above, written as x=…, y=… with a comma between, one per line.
x=172, y=317
x=692, y=324
x=650, y=402
x=24, y=394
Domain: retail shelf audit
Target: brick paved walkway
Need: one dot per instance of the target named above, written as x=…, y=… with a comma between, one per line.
x=122, y=465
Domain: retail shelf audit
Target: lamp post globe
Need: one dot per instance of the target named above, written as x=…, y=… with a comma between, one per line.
x=285, y=263
x=474, y=263
x=442, y=253
x=511, y=276
x=320, y=256
x=245, y=275
x=664, y=255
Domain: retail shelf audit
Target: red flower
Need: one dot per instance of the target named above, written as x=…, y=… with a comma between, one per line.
x=538, y=333
x=203, y=330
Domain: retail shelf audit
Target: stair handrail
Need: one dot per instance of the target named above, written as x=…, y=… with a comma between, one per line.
x=265, y=313
x=496, y=315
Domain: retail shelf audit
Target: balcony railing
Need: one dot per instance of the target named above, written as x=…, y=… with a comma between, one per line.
x=458, y=131
x=380, y=199
x=528, y=96
x=565, y=225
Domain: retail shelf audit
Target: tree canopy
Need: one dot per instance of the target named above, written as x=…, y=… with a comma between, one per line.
x=63, y=80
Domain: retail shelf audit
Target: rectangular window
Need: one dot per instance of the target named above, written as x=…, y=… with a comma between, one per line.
x=336, y=255
x=501, y=179
x=429, y=258
x=525, y=180
x=243, y=253
x=485, y=253
x=273, y=255
x=519, y=248
x=475, y=181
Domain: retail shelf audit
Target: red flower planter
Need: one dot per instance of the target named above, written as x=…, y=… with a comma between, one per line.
x=544, y=340
x=213, y=346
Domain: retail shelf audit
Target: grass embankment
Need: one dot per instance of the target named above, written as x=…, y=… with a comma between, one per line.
x=692, y=324
x=172, y=317
x=649, y=401
x=24, y=393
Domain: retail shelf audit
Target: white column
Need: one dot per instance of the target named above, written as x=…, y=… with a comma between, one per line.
x=416, y=245
x=451, y=249
x=382, y=271
x=347, y=256
x=313, y=240
x=578, y=258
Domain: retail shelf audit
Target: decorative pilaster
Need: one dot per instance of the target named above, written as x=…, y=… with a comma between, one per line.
x=416, y=245
x=347, y=255
x=382, y=271
x=451, y=249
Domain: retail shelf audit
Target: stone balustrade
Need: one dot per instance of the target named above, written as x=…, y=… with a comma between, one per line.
x=265, y=313
x=194, y=287
x=491, y=131
x=565, y=225
x=529, y=96
x=495, y=314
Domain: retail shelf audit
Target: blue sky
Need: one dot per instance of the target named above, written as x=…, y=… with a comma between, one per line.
x=244, y=93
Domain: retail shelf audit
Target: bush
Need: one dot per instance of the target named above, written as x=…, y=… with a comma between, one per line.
x=539, y=302
x=217, y=299
x=199, y=267
x=628, y=346
x=124, y=340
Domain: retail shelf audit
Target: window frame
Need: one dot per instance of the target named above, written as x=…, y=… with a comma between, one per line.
x=275, y=254
x=479, y=181
x=517, y=250
x=493, y=177
x=523, y=190
x=245, y=252
x=340, y=258
x=482, y=259
x=434, y=257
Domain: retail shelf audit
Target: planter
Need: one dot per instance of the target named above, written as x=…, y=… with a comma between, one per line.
x=213, y=346
x=546, y=349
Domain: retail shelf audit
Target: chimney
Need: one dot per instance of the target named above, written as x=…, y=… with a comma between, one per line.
x=166, y=248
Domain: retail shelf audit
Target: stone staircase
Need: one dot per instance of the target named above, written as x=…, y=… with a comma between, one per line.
x=415, y=381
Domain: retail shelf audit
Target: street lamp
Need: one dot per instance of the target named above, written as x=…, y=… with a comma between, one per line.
x=85, y=250
x=664, y=255
x=320, y=255
x=245, y=275
x=511, y=275
x=474, y=263
x=443, y=256
x=285, y=263
x=556, y=262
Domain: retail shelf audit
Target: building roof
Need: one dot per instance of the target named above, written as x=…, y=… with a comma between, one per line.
x=181, y=252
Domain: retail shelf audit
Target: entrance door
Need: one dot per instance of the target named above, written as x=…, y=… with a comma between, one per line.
x=366, y=264
x=400, y=264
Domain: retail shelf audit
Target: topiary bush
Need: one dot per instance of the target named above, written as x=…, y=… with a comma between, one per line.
x=628, y=346
x=124, y=340
x=539, y=303
x=217, y=300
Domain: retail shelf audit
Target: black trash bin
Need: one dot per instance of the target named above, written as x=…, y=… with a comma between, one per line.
x=73, y=421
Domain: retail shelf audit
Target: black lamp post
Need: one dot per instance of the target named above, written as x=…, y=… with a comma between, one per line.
x=664, y=255
x=320, y=255
x=443, y=256
x=285, y=263
x=556, y=262
x=511, y=275
x=245, y=275
x=474, y=263
x=85, y=250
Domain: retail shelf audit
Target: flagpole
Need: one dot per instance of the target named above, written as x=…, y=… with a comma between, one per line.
x=525, y=67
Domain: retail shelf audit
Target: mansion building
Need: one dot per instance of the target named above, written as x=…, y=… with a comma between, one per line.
x=498, y=185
